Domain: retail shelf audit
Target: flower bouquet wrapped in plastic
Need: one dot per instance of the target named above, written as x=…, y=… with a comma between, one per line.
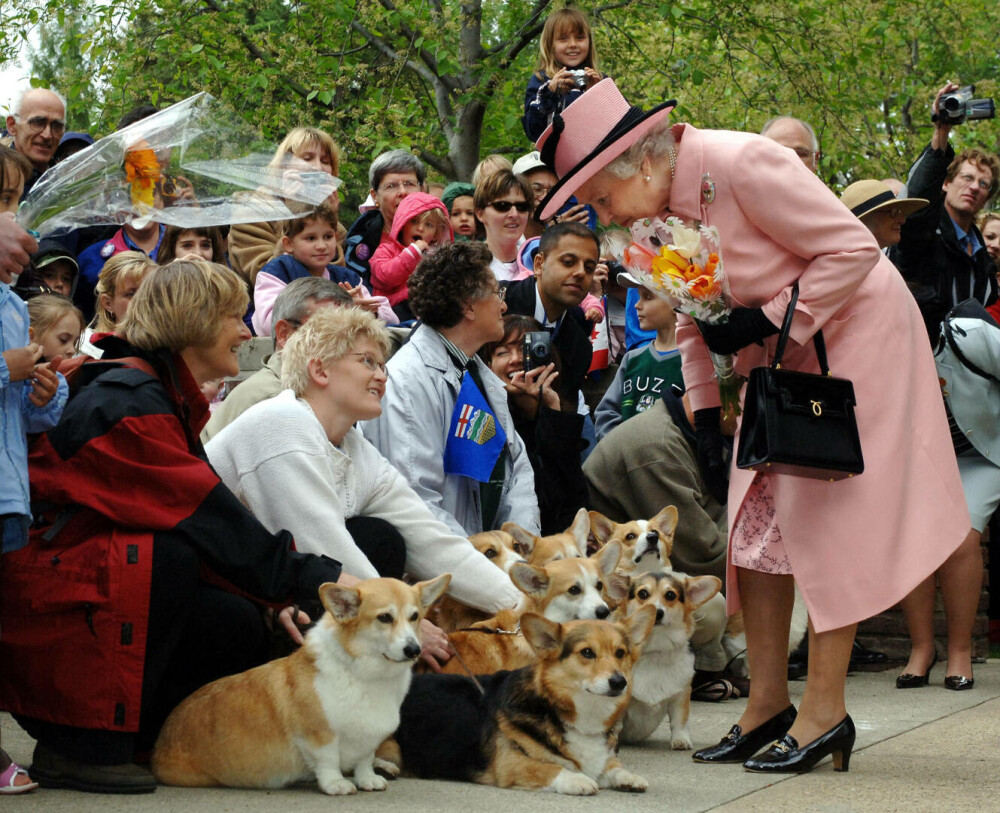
x=683, y=264
x=193, y=164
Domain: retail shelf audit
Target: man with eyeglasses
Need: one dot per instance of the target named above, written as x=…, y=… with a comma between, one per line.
x=797, y=135
x=37, y=124
x=941, y=252
x=391, y=177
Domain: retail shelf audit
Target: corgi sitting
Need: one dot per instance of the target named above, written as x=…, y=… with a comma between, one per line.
x=498, y=546
x=563, y=590
x=646, y=543
x=539, y=550
x=547, y=726
x=661, y=680
x=322, y=711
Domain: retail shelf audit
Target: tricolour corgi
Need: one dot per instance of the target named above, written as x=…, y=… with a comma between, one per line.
x=540, y=550
x=646, y=543
x=322, y=711
x=563, y=590
x=661, y=681
x=548, y=726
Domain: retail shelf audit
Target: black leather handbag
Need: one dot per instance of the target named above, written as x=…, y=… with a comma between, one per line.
x=800, y=424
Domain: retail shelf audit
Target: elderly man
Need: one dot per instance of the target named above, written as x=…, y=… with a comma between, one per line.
x=292, y=309
x=37, y=124
x=391, y=177
x=797, y=135
x=941, y=253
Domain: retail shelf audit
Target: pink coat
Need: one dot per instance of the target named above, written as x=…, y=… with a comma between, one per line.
x=859, y=545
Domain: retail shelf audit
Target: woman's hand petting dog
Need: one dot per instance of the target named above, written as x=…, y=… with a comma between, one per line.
x=435, y=648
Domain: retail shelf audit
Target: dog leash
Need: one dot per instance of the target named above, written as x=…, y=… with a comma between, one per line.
x=488, y=631
x=468, y=672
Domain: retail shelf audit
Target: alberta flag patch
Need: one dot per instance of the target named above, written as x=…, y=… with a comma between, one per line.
x=475, y=438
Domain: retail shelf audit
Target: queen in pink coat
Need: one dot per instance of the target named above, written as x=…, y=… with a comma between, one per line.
x=856, y=546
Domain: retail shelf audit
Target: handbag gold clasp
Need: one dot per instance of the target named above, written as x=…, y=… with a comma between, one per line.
x=817, y=408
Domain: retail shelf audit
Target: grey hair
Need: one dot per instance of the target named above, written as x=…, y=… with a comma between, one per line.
x=654, y=144
x=293, y=302
x=395, y=161
x=805, y=125
x=19, y=99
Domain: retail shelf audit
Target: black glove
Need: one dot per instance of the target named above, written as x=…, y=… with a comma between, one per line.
x=710, y=445
x=744, y=326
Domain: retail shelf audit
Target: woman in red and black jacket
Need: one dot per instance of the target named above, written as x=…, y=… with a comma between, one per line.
x=145, y=577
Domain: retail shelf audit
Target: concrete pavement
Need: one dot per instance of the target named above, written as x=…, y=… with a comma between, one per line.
x=925, y=749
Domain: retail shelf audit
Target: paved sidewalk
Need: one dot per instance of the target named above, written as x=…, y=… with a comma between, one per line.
x=924, y=749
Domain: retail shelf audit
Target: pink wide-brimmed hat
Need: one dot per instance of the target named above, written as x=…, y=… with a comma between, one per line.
x=586, y=136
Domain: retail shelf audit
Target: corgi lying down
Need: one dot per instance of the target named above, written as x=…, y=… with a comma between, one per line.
x=322, y=711
x=548, y=726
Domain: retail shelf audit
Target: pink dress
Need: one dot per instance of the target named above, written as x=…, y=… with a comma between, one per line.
x=856, y=546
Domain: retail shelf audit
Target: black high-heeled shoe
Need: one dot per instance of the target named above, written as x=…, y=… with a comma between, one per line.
x=959, y=683
x=911, y=681
x=737, y=746
x=785, y=756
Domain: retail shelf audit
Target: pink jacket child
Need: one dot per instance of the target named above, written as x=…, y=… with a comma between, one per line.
x=421, y=221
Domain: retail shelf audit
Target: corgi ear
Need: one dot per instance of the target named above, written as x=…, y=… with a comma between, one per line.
x=666, y=520
x=580, y=530
x=639, y=625
x=601, y=527
x=431, y=591
x=616, y=588
x=531, y=580
x=543, y=636
x=608, y=556
x=341, y=602
x=701, y=588
x=524, y=542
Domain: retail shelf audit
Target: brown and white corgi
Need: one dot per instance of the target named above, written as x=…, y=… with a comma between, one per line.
x=548, y=726
x=539, y=550
x=322, y=711
x=563, y=590
x=661, y=680
x=646, y=543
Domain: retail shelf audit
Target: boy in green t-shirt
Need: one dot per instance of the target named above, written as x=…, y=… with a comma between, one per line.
x=646, y=372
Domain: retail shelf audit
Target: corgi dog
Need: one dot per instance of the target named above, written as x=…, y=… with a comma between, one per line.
x=646, y=543
x=661, y=680
x=548, y=726
x=539, y=550
x=451, y=614
x=561, y=591
x=322, y=711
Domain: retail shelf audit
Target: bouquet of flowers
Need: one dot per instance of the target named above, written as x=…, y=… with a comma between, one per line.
x=193, y=164
x=683, y=265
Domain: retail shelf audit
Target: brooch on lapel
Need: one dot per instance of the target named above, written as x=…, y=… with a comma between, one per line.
x=707, y=188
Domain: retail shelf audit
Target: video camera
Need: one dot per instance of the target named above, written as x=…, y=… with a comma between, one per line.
x=959, y=107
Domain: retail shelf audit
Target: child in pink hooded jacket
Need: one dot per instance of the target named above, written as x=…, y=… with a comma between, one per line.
x=420, y=222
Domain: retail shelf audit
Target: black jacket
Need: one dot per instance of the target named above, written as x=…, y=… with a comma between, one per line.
x=361, y=242
x=939, y=273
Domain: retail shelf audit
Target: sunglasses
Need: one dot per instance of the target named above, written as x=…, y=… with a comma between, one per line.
x=504, y=206
x=37, y=124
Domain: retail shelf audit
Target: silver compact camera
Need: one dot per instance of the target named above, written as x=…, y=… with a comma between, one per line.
x=579, y=78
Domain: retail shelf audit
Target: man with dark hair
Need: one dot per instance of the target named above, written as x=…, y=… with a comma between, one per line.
x=292, y=309
x=941, y=253
x=445, y=423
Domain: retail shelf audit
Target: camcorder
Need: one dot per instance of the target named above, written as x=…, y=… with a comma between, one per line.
x=536, y=347
x=959, y=107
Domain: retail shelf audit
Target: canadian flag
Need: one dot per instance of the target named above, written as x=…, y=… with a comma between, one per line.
x=601, y=346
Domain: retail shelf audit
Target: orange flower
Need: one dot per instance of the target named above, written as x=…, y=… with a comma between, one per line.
x=703, y=288
x=639, y=257
x=141, y=171
x=692, y=272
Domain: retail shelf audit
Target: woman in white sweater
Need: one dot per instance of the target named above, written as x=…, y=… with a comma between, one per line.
x=299, y=464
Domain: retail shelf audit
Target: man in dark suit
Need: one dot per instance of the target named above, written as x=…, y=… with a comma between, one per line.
x=565, y=262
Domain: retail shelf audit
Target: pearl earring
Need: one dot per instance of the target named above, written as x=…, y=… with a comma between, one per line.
x=647, y=178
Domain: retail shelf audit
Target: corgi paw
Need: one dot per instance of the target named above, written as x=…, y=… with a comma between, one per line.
x=390, y=770
x=574, y=784
x=681, y=742
x=337, y=787
x=621, y=779
x=372, y=782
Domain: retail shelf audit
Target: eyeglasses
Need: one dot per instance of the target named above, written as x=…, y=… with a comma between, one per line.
x=504, y=206
x=38, y=124
x=966, y=178
x=407, y=186
x=895, y=212
x=540, y=188
x=370, y=363
x=499, y=292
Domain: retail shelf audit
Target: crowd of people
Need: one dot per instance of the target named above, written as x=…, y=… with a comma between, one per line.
x=465, y=355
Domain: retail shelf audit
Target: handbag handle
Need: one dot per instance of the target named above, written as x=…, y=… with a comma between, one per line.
x=786, y=328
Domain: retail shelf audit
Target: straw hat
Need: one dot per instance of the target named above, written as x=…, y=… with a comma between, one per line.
x=586, y=136
x=865, y=197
